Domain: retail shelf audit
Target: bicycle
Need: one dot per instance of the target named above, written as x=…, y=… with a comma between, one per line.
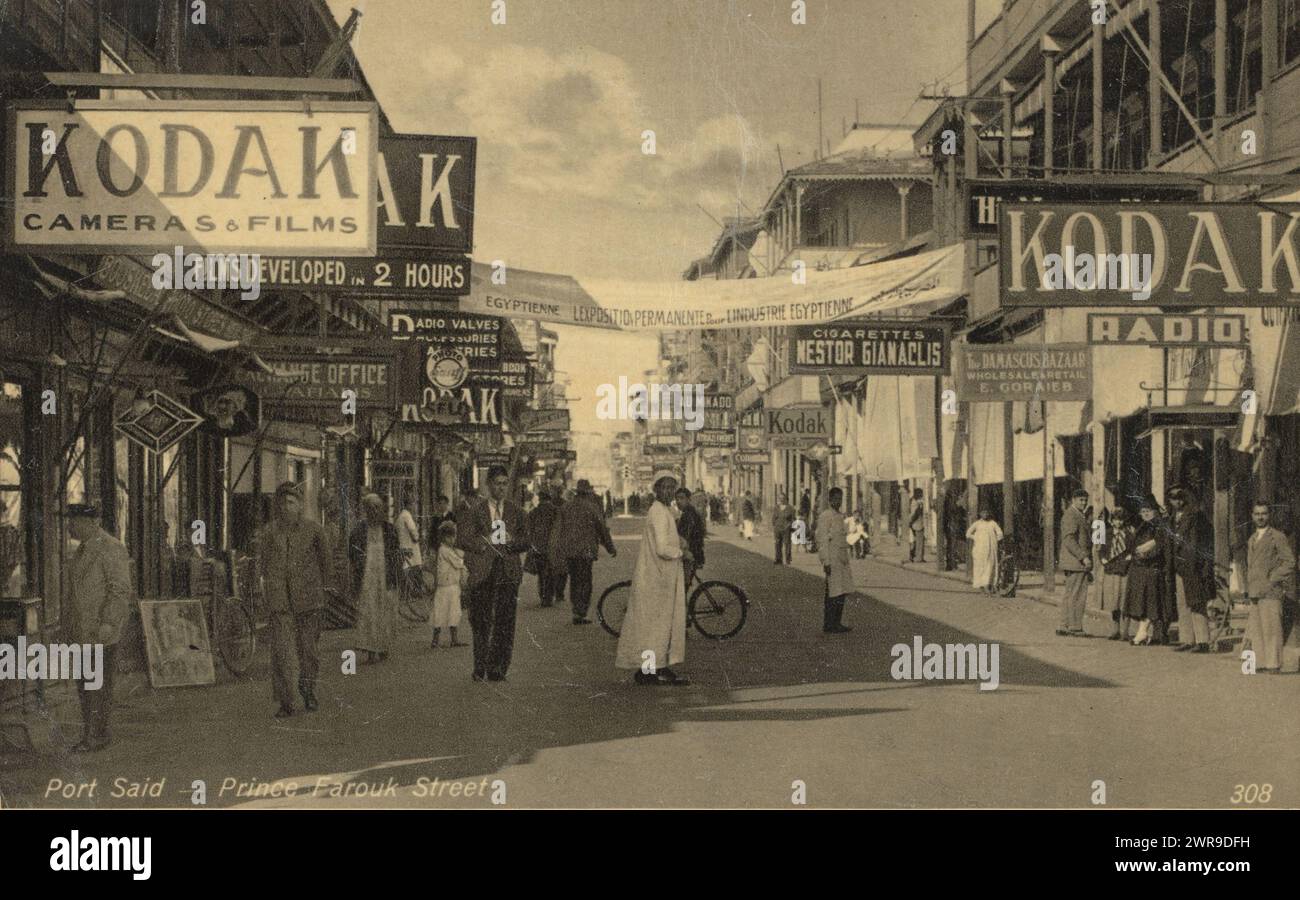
x=717, y=609
x=1219, y=612
x=233, y=620
x=1008, y=575
x=415, y=600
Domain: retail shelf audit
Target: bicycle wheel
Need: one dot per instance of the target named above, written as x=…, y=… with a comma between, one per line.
x=612, y=606
x=414, y=603
x=1008, y=577
x=718, y=609
x=236, y=636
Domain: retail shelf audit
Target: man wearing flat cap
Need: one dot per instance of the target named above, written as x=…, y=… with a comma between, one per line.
x=99, y=598
x=294, y=562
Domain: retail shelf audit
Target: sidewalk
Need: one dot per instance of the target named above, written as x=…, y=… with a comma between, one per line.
x=892, y=551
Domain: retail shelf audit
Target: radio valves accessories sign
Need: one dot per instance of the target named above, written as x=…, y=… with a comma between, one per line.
x=446, y=367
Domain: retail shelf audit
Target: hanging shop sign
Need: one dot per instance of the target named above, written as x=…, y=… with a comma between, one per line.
x=709, y=437
x=1000, y=372
x=719, y=412
x=672, y=441
x=201, y=311
x=1159, y=254
x=472, y=407
x=751, y=437
x=873, y=347
x=549, y=453
x=749, y=458
x=515, y=379
x=385, y=275
x=544, y=420
x=393, y=470
x=317, y=378
x=129, y=176
x=799, y=426
x=490, y=459
x=538, y=437
x=477, y=337
x=426, y=193
x=229, y=410
x=1128, y=329
x=157, y=421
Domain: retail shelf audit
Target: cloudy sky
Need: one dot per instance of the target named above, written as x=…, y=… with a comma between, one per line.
x=560, y=95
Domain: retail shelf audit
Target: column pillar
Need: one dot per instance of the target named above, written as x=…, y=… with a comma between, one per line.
x=1049, y=49
x=1220, y=62
x=1155, y=91
x=1268, y=40
x=1098, y=111
x=1008, y=126
x=903, y=187
x=798, y=215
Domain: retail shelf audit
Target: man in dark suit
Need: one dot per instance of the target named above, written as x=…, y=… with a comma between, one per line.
x=493, y=535
x=1076, y=562
x=782, y=522
x=690, y=528
x=1192, y=552
x=580, y=530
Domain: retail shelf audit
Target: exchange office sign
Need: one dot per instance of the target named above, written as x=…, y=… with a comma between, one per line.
x=235, y=177
x=999, y=372
x=877, y=347
x=306, y=378
x=478, y=338
x=1159, y=254
x=1129, y=329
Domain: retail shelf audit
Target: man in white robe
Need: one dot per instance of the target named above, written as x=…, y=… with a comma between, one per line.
x=653, y=637
x=984, y=534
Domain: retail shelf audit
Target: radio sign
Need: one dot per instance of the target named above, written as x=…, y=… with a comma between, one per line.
x=1166, y=331
x=133, y=176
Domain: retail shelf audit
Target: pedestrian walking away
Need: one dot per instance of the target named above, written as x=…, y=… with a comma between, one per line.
x=295, y=564
x=653, y=637
x=782, y=521
x=551, y=573
x=98, y=601
x=1076, y=562
x=579, y=533
x=747, y=517
x=834, y=555
x=376, y=561
x=916, y=527
x=494, y=535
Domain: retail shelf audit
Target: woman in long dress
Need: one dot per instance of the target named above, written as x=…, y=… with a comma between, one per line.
x=984, y=535
x=1144, y=595
x=376, y=561
x=653, y=637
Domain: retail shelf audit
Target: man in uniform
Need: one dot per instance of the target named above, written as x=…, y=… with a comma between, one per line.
x=295, y=565
x=99, y=599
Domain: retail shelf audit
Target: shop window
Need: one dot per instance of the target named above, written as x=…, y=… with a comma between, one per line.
x=1289, y=31
x=15, y=537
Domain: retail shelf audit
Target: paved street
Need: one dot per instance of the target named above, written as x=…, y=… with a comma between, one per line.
x=780, y=703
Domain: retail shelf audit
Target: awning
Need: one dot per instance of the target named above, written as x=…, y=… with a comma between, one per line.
x=1159, y=418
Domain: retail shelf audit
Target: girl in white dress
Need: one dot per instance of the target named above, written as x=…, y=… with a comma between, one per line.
x=452, y=576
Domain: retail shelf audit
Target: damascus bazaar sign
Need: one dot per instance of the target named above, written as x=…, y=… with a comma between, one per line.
x=1188, y=255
